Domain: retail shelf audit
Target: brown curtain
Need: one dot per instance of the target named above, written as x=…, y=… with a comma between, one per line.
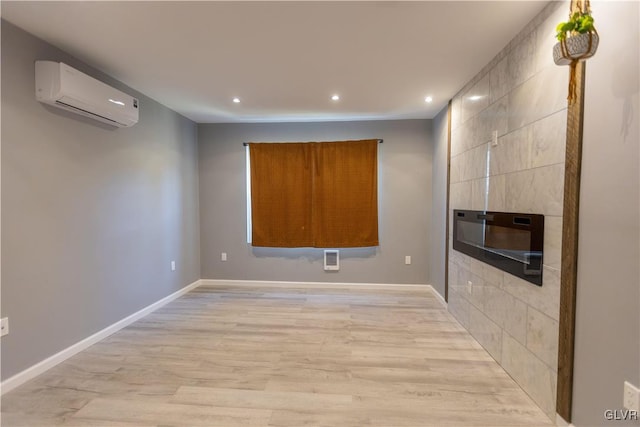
x=281, y=178
x=345, y=194
x=314, y=194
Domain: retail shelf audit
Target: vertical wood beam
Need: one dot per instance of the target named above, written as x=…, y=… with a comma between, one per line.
x=569, y=267
x=446, y=230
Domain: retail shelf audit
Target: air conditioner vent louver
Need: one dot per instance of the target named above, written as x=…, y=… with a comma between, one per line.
x=85, y=112
x=331, y=260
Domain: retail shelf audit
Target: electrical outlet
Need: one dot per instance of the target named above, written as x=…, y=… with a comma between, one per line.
x=631, y=397
x=4, y=326
x=173, y=266
x=407, y=259
x=494, y=138
x=223, y=256
x=469, y=286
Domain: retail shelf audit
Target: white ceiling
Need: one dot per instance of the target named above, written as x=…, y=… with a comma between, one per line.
x=284, y=60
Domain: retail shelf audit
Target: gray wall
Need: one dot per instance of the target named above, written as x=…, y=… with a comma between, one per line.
x=438, y=238
x=92, y=215
x=404, y=198
x=607, y=346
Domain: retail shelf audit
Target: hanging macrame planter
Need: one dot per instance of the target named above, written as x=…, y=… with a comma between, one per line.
x=575, y=48
x=578, y=40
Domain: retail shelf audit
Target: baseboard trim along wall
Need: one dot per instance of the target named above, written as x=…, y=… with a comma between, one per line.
x=561, y=422
x=39, y=368
x=439, y=297
x=419, y=287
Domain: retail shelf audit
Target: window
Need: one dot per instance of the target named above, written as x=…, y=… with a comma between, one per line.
x=313, y=194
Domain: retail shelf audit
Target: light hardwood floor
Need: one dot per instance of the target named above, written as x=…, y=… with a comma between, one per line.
x=288, y=356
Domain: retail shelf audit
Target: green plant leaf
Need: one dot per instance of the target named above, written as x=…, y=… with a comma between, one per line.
x=586, y=23
x=579, y=22
x=568, y=26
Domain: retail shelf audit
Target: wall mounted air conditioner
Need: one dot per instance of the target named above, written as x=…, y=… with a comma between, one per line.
x=65, y=87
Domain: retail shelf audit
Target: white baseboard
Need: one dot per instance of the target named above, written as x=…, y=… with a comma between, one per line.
x=560, y=422
x=419, y=287
x=39, y=368
x=439, y=297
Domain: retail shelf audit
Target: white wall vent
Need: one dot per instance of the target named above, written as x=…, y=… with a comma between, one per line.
x=331, y=259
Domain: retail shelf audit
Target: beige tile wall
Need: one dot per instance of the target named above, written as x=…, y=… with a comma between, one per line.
x=521, y=94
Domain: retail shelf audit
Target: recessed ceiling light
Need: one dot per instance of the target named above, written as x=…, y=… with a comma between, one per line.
x=428, y=99
x=236, y=100
x=335, y=97
x=475, y=97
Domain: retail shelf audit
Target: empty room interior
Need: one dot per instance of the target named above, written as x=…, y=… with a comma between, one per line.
x=318, y=213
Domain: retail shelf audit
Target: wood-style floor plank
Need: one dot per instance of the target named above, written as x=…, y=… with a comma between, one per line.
x=281, y=356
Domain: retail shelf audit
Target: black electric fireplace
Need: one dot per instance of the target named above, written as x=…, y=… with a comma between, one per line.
x=512, y=242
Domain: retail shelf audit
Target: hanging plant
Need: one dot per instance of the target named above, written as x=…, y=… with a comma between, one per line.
x=577, y=41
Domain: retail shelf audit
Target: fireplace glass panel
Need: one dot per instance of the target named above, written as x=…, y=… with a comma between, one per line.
x=509, y=241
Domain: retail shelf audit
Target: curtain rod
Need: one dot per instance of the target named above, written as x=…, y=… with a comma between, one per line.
x=380, y=141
